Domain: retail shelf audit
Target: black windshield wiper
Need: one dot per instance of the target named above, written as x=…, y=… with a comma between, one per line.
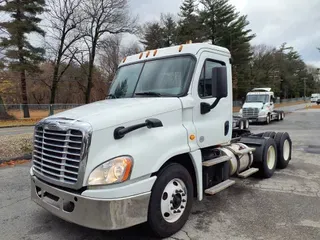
x=149, y=94
x=112, y=96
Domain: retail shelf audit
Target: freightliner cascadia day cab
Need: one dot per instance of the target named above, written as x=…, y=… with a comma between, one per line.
x=162, y=139
x=259, y=106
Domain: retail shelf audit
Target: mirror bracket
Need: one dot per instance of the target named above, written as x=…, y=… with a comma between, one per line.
x=206, y=107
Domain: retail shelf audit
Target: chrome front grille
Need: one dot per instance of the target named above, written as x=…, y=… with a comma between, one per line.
x=60, y=151
x=250, y=112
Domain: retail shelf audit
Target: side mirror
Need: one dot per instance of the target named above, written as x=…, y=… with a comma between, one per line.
x=219, y=82
x=219, y=88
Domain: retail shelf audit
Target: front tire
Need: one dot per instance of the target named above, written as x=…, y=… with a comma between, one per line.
x=268, y=119
x=171, y=200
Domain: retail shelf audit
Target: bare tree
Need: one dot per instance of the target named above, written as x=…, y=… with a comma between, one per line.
x=112, y=51
x=64, y=17
x=103, y=17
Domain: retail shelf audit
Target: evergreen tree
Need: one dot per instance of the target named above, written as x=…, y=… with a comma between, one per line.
x=22, y=55
x=152, y=36
x=225, y=27
x=169, y=27
x=160, y=34
x=190, y=27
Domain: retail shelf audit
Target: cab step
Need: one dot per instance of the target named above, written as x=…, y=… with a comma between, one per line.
x=215, y=161
x=221, y=186
x=245, y=151
x=248, y=172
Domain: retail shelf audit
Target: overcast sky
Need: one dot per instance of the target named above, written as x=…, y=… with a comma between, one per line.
x=296, y=22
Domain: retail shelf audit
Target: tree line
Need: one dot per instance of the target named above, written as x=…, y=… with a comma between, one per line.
x=83, y=45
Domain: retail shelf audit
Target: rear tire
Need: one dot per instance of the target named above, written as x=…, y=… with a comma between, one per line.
x=269, y=159
x=241, y=124
x=284, y=148
x=269, y=134
x=279, y=116
x=246, y=126
x=172, y=192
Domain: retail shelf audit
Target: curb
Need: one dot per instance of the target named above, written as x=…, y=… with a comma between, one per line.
x=23, y=157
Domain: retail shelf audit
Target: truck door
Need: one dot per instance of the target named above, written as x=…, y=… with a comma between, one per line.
x=272, y=102
x=214, y=127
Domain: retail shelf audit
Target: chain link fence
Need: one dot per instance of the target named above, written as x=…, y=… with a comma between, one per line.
x=39, y=111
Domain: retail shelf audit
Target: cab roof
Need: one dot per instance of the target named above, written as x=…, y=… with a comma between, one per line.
x=183, y=49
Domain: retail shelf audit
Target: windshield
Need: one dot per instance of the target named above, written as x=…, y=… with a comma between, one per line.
x=314, y=95
x=257, y=98
x=163, y=77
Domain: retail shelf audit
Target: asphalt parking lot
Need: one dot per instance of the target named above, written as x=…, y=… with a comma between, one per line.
x=287, y=206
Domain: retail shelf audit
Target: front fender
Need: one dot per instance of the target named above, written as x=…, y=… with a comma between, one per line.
x=150, y=148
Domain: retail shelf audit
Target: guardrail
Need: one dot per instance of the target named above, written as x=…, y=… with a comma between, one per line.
x=39, y=111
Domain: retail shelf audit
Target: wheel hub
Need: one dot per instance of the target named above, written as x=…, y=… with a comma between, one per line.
x=174, y=200
x=271, y=157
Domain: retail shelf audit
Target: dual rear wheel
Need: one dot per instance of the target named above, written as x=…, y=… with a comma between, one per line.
x=276, y=152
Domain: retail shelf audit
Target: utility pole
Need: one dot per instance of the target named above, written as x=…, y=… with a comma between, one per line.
x=304, y=84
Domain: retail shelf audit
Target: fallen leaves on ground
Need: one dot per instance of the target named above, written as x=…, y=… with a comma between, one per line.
x=19, y=122
x=14, y=163
x=15, y=146
x=314, y=107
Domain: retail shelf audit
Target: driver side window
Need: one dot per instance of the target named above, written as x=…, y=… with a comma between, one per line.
x=205, y=82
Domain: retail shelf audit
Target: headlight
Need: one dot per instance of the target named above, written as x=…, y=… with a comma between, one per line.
x=113, y=171
x=262, y=113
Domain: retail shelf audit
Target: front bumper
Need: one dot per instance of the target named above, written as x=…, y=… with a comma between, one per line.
x=102, y=214
x=257, y=119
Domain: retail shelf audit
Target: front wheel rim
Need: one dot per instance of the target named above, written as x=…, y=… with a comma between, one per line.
x=174, y=200
x=286, y=150
x=271, y=157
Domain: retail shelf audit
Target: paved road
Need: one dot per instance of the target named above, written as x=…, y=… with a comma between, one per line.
x=284, y=207
x=15, y=131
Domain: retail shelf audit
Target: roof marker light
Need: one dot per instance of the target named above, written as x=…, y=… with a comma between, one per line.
x=180, y=48
x=141, y=54
x=155, y=52
x=124, y=60
x=148, y=53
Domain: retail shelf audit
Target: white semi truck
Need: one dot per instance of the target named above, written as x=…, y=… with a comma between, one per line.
x=163, y=138
x=259, y=106
x=315, y=97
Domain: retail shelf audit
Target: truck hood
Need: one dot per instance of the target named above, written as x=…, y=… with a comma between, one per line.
x=252, y=105
x=112, y=112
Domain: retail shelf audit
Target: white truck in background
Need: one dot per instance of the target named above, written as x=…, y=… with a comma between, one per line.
x=259, y=106
x=163, y=138
x=315, y=97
